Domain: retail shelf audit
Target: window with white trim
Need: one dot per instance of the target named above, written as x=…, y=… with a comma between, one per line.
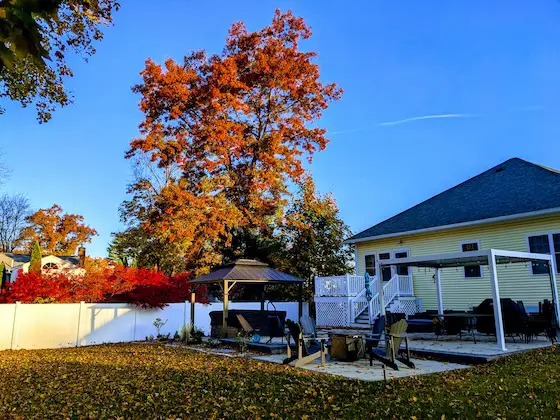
x=370, y=264
x=386, y=270
x=471, y=271
x=401, y=270
x=540, y=244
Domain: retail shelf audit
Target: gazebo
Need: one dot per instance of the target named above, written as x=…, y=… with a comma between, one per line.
x=244, y=271
x=491, y=258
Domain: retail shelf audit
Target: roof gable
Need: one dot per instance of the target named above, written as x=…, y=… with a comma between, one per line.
x=512, y=187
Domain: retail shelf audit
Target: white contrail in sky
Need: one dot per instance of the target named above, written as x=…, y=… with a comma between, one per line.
x=427, y=117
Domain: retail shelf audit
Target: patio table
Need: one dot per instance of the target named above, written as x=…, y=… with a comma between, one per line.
x=470, y=319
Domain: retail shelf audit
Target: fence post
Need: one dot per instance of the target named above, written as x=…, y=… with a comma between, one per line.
x=135, y=309
x=185, y=313
x=14, y=326
x=80, y=309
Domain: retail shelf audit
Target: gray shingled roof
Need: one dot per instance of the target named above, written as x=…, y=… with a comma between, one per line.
x=250, y=271
x=25, y=258
x=512, y=187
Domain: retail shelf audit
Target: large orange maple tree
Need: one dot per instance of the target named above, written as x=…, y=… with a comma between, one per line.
x=237, y=126
x=56, y=232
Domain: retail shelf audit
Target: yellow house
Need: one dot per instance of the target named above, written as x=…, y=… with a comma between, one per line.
x=513, y=206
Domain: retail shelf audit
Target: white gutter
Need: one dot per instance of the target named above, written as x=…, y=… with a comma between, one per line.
x=457, y=225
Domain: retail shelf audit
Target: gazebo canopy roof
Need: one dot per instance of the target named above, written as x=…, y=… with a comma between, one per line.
x=462, y=259
x=247, y=271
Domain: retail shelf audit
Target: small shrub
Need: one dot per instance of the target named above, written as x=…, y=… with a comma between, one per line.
x=159, y=323
x=190, y=334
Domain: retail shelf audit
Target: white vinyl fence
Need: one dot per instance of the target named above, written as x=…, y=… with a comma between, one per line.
x=56, y=325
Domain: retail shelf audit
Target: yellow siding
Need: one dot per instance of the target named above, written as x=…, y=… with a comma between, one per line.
x=515, y=280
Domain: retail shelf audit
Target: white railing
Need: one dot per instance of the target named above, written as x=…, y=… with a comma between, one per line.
x=406, y=287
x=358, y=304
x=391, y=290
x=347, y=285
x=374, y=308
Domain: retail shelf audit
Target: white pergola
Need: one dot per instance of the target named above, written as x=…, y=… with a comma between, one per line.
x=491, y=258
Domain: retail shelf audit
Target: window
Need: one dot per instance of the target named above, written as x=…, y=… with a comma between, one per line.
x=386, y=270
x=402, y=271
x=540, y=244
x=471, y=271
x=50, y=266
x=370, y=264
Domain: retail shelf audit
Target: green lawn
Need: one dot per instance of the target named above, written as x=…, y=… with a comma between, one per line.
x=145, y=381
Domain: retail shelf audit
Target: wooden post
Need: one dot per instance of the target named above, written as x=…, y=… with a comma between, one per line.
x=300, y=301
x=225, y=301
x=262, y=297
x=438, y=291
x=500, y=338
x=193, y=302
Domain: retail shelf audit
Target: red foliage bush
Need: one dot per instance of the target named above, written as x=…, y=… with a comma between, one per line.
x=139, y=286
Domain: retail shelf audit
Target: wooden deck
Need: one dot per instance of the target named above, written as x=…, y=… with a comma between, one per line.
x=273, y=347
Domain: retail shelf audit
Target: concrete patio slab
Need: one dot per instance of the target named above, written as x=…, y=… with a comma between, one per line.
x=361, y=369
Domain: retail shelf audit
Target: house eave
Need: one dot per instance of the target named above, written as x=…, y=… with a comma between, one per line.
x=537, y=213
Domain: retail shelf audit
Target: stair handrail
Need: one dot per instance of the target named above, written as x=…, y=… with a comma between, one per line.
x=391, y=290
x=359, y=296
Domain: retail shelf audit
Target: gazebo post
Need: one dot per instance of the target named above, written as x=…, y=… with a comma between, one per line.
x=438, y=290
x=553, y=286
x=225, y=302
x=300, y=300
x=193, y=300
x=497, y=303
x=262, y=297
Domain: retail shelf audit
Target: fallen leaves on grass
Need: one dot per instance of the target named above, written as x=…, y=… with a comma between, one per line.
x=147, y=381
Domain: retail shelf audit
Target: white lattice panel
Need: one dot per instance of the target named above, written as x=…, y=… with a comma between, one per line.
x=332, y=314
x=408, y=307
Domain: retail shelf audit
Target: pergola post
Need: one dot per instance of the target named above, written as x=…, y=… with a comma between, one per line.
x=552, y=274
x=497, y=303
x=225, y=302
x=262, y=297
x=438, y=290
x=380, y=285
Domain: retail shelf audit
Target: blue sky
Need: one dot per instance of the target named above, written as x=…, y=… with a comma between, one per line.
x=493, y=68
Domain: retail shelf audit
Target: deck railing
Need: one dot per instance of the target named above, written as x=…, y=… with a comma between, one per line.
x=347, y=285
x=406, y=286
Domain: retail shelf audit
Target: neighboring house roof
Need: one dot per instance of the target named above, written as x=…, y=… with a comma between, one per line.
x=514, y=187
x=250, y=271
x=20, y=259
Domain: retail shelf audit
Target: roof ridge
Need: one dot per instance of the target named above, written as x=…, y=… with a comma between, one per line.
x=494, y=168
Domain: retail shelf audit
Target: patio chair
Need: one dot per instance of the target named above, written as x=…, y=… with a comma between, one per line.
x=250, y=331
x=308, y=326
x=394, y=339
x=372, y=340
x=306, y=352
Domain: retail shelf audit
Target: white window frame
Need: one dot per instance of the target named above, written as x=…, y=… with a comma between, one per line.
x=473, y=241
x=369, y=254
x=550, y=247
x=390, y=256
x=393, y=255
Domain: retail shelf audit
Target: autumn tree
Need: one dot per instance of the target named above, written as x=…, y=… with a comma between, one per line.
x=236, y=126
x=35, y=263
x=56, y=232
x=37, y=38
x=14, y=210
x=313, y=237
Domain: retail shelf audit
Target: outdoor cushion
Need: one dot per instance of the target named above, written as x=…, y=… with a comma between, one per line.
x=259, y=320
